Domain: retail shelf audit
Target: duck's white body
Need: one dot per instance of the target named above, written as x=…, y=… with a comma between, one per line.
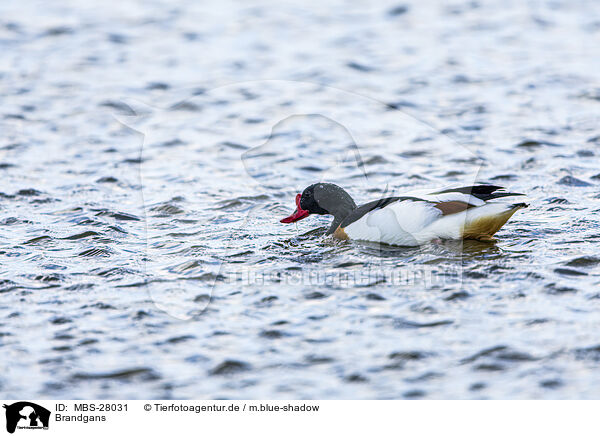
x=413, y=222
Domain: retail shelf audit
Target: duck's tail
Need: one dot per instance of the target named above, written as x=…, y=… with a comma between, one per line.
x=484, y=221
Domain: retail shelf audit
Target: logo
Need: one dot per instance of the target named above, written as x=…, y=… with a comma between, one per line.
x=26, y=415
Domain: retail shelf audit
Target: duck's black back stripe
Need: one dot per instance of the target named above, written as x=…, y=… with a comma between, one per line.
x=361, y=211
x=483, y=192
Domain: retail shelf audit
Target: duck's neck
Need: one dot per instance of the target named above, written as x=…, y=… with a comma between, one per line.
x=342, y=208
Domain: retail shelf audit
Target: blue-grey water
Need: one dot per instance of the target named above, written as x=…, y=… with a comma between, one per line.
x=149, y=149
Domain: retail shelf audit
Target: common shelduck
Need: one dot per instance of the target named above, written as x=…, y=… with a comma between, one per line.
x=413, y=219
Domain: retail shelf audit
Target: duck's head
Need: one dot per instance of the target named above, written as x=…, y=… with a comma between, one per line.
x=321, y=199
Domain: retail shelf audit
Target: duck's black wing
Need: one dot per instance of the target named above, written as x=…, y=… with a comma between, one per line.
x=483, y=192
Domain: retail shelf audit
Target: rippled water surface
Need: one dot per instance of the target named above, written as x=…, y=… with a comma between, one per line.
x=149, y=149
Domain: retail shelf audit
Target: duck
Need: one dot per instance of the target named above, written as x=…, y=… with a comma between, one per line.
x=413, y=219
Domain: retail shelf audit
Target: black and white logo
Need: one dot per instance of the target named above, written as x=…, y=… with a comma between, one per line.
x=26, y=415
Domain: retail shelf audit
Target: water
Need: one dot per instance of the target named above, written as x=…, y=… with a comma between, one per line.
x=148, y=151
